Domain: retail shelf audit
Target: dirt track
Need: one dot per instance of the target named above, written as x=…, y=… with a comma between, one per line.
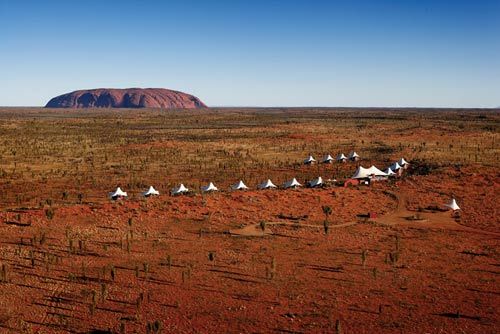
x=432, y=220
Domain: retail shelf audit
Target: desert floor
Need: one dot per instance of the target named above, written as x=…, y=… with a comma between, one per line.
x=251, y=261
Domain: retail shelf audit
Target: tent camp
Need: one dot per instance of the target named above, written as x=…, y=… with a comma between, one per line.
x=327, y=159
x=151, y=192
x=210, y=187
x=341, y=158
x=403, y=163
x=293, y=183
x=372, y=173
x=267, y=185
x=180, y=190
x=316, y=182
x=239, y=186
x=118, y=193
x=353, y=156
x=453, y=205
x=310, y=160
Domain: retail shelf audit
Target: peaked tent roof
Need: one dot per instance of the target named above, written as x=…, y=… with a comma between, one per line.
x=118, y=193
x=267, y=185
x=402, y=162
x=453, y=205
x=328, y=158
x=395, y=166
x=239, y=186
x=151, y=191
x=309, y=160
x=353, y=154
x=316, y=182
x=292, y=183
x=180, y=190
x=209, y=187
x=389, y=171
x=341, y=156
x=363, y=173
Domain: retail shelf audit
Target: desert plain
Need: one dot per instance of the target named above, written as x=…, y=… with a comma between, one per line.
x=256, y=261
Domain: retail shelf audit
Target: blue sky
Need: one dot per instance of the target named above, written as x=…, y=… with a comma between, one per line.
x=256, y=53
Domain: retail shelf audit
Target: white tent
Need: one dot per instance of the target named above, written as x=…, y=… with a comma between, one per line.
x=402, y=162
x=210, y=187
x=353, y=156
x=368, y=173
x=151, y=192
x=453, y=205
x=118, y=193
x=180, y=190
x=341, y=157
x=395, y=167
x=292, y=184
x=327, y=159
x=389, y=171
x=316, y=182
x=309, y=160
x=239, y=186
x=267, y=185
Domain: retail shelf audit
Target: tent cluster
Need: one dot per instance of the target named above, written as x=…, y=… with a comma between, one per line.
x=373, y=173
x=328, y=159
x=240, y=185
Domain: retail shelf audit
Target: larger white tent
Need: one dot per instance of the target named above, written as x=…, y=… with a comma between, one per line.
x=309, y=160
x=118, y=193
x=151, y=192
x=328, y=159
x=368, y=173
x=267, y=185
x=453, y=205
x=239, y=186
x=316, y=182
x=293, y=183
x=208, y=188
x=180, y=190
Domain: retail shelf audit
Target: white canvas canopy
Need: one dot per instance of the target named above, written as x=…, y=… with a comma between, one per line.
x=293, y=183
x=353, y=156
x=341, y=157
x=327, y=159
x=180, y=190
x=389, y=171
x=151, y=192
x=367, y=173
x=316, y=182
x=210, y=187
x=453, y=205
x=267, y=185
x=239, y=186
x=395, y=167
x=118, y=193
x=402, y=162
x=309, y=160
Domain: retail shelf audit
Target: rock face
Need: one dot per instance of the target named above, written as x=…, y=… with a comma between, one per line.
x=126, y=98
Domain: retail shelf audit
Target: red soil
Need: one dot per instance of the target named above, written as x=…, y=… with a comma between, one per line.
x=295, y=279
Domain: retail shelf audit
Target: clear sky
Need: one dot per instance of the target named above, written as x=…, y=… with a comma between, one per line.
x=256, y=53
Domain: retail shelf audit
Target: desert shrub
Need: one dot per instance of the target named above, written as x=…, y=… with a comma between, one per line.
x=49, y=213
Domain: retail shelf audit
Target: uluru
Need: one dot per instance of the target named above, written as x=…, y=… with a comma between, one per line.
x=126, y=98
